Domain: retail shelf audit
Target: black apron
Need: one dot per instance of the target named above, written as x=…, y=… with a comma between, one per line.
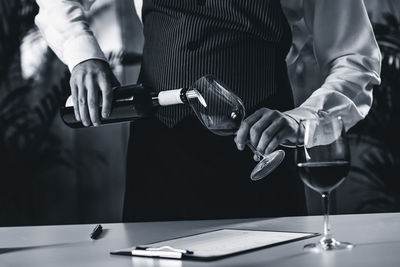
x=177, y=169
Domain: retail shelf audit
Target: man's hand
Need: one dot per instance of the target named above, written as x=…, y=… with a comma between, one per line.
x=88, y=79
x=266, y=129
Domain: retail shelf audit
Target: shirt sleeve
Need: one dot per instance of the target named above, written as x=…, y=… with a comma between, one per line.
x=348, y=57
x=64, y=25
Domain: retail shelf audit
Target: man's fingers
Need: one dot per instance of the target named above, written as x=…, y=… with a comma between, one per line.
x=266, y=129
x=83, y=109
x=93, y=100
x=258, y=128
x=242, y=133
x=276, y=141
x=269, y=134
x=74, y=94
x=87, y=79
x=107, y=96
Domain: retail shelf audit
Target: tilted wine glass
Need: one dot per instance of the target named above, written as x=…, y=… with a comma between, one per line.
x=222, y=112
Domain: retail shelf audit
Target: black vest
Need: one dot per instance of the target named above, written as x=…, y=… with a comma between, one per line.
x=241, y=42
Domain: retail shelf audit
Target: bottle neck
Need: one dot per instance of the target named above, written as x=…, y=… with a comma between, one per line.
x=163, y=98
x=171, y=97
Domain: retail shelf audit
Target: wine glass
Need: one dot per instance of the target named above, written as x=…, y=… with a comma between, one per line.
x=323, y=162
x=222, y=112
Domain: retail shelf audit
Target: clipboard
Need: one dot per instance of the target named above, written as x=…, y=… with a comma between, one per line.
x=214, y=245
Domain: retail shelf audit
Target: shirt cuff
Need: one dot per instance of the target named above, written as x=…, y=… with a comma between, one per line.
x=81, y=48
x=301, y=113
x=298, y=114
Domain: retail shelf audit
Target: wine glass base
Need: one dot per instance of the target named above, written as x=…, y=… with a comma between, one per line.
x=328, y=244
x=268, y=164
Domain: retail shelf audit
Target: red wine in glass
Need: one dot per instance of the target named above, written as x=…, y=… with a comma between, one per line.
x=323, y=177
x=323, y=162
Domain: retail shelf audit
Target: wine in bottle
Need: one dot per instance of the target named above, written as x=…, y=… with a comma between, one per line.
x=132, y=102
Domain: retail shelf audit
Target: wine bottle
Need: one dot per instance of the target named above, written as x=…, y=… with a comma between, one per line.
x=132, y=102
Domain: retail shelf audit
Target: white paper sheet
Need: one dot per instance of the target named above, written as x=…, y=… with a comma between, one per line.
x=228, y=241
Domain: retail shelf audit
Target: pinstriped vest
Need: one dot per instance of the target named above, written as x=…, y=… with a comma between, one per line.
x=241, y=42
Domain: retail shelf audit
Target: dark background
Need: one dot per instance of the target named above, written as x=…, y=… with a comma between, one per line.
x=51, y=174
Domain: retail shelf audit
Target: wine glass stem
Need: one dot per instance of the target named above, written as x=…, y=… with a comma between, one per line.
x=254, y=150
x=327, y=228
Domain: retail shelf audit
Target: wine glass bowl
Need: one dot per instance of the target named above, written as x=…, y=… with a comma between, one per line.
x=323, y=162
x=222, y=112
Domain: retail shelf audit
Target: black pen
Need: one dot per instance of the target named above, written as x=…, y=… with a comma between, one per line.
x=96, y=232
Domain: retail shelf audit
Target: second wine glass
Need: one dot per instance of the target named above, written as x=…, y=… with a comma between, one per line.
x=323, y=161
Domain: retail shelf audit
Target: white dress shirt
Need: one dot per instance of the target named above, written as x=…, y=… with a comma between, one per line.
x=341, y=34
